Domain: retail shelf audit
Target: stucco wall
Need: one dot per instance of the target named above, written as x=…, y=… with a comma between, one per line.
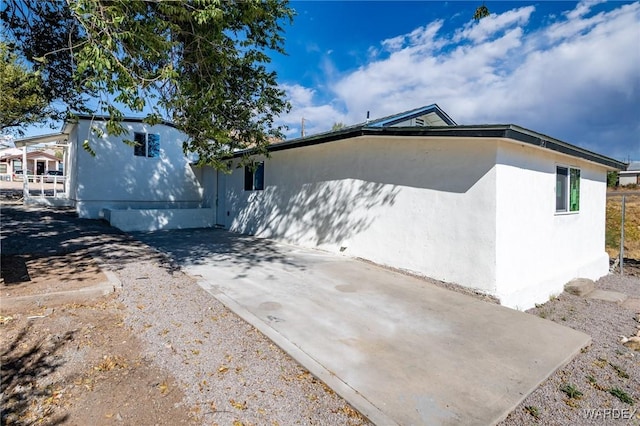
x=539, y=250
x=115, y=178
x=632, y=178
x=424, y=205
x=155, y=219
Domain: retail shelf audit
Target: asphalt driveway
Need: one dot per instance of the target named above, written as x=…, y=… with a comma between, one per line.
x=401, y=350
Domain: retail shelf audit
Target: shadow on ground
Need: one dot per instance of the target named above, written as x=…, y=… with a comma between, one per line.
x=202, y=246
x=38, y=232
x=24, y=362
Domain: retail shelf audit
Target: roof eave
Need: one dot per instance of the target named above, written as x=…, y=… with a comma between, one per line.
x=35, y=140
x=512, y=132
x=90, y=117
x=505, y=131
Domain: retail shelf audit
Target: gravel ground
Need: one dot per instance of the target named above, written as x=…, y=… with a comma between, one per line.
x=229, y=373
x=604, y=366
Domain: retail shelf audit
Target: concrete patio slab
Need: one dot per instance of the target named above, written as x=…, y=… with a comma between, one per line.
x=399, y=349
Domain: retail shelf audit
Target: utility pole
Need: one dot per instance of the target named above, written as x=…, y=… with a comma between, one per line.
x=302, y=129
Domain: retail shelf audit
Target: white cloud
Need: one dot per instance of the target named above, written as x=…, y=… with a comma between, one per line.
x=487, y=27
x=582, y=9
x=577, y=78
x=318, y=118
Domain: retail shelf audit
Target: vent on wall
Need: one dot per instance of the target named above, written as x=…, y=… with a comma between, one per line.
x=419, y=121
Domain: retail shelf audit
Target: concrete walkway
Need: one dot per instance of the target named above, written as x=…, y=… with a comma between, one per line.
x=400, y=350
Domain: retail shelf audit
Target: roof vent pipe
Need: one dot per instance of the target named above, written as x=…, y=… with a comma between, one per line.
x=367, y=116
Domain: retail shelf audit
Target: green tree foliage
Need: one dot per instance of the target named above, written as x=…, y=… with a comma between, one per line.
x=481, y=12
x=337, y=126
x=200, y=63
x=22, y=100
x=612, y=179
x=36, y=29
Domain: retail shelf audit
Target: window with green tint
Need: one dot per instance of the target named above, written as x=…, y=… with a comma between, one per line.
x=574, y=190
x=567, y=189
x=561, y=188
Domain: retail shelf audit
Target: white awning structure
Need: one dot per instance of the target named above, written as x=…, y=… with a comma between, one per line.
x=59, y=138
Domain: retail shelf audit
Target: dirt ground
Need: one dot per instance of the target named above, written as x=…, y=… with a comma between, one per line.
x=79, y=362
x=75, y=361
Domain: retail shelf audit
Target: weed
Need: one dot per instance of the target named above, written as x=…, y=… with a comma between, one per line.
x=601, y=362
x=620, y=371
x=571, y=391
x=571, y=403
x=533, y=411
x=592, y=382
x=563, y=318
x=542, y=314
x=621, y=395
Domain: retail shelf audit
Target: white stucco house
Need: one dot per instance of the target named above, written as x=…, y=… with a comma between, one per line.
x=497, y=208
x=149, y=186
x=630, y=176
x=37, y=163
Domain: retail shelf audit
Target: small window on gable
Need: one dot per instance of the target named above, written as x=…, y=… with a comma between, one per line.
x=254, y=177
x=146, y=145
x=567, y=189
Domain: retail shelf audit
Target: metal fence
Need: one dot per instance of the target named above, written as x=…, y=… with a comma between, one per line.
x=42, y=185
x=624, y=199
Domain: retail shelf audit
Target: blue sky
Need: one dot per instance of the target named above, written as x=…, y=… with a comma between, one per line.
x=570, y=70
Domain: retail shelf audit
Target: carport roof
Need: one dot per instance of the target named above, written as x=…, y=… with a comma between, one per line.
x=59, y=137
x=634, y=167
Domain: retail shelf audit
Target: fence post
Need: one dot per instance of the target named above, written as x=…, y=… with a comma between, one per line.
x=622, y=236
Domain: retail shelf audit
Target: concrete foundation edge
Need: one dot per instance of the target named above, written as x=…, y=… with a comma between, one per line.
x=58, y=297
x=560, y=364
x=355, y=399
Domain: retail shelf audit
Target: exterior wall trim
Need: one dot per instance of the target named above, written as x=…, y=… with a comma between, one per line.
x=510, y=132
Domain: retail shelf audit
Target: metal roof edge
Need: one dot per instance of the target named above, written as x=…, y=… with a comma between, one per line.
x=506, y=131
x=317, y=139
x=98, y=117
x=407, y=115
x=538, y=139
